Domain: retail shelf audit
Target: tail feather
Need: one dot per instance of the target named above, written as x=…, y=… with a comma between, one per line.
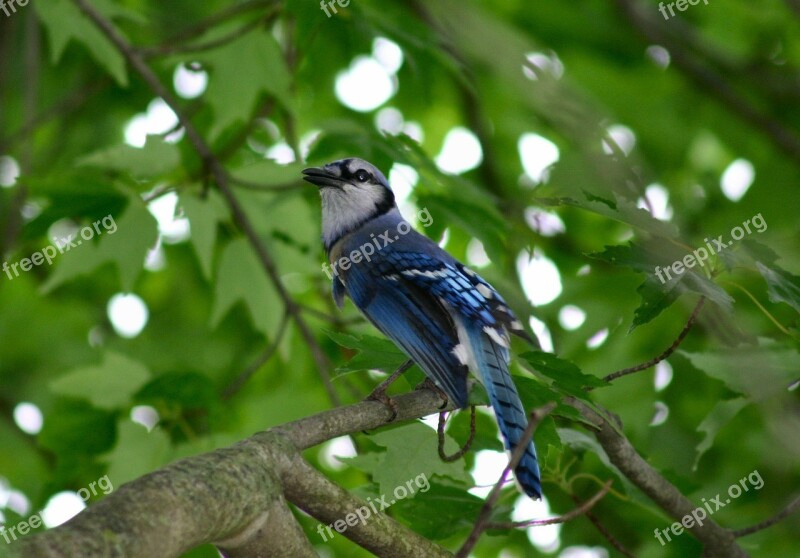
x=491, y=361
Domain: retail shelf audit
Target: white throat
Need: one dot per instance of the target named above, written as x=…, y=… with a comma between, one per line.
x=345, y=209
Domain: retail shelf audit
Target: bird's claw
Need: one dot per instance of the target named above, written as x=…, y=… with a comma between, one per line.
x=427, y=383
x=379, y=394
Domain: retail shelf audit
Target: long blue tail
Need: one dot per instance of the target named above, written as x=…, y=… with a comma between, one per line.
x=492, y=362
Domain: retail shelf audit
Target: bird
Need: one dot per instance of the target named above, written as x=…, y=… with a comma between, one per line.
x=440, y=313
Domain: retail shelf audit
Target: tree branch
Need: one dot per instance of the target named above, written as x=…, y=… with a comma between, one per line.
x=166, y=49
x=569, y=516
x=255, y=473
x=663, y=356
x=613, y=541
x=718, y=541
x=482, y=522
x=327, y=502
x=212, y=21
x=235, y=497
x=220, y=175
x=240, y=380
x=793, y=506
x=708, y=79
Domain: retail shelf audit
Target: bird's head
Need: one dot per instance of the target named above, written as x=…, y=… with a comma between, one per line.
x=353, y=192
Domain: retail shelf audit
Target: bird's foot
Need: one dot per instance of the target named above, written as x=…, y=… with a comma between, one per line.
x=379, y=394
x=427, y=383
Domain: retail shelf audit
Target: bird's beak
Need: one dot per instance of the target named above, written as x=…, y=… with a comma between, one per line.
x=321, y=178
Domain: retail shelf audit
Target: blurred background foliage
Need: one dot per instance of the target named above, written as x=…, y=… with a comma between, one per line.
x=574, y=145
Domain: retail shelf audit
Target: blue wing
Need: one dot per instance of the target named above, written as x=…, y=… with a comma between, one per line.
x=445, y=317
x=415, y=319
x=459, y=287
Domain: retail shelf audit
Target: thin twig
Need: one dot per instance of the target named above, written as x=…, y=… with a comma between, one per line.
x=707, y=79
x=793, y=506
x=331, y=318
x=604, y=531
x=290, y=30
x=671, y=349
x=166, y=49
x=763, y=310
x=651, y=482
x=237, y=384
x=61, y=109
x=460, y=453
x=580, y=510
x=795, y=6
x=212, y=21
x=213, y=165
x=481, y=522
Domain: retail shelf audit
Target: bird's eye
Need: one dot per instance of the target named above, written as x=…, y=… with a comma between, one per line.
x=362, y=176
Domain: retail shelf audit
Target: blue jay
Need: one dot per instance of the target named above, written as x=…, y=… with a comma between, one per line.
x=439, y=312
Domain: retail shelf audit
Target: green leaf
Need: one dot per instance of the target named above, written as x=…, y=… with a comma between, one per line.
x=157, y=157
x=241, y=71
x=137, y=452
x=268, y=173
x=535, y=393
x=366, y=462
x=782, y=286
x=747, y=253
x=241, y=278
x=64, y=22
x=74, y=192
x=27, y=465
x=722, y=413
x=661, y=287
x=109, y=385
x=758, y=372
x=480, y=221
x=126, y=245
x=580, y=442
x=204, y=218
x=655, y=299
x=374, y=353
x=566, y=376
x=189, y=390
x=75, y=428
x=620, y=209
x=410, y=452
x=440, y=511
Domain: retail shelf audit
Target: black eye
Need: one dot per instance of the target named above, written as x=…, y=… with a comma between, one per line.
x=362, y=176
